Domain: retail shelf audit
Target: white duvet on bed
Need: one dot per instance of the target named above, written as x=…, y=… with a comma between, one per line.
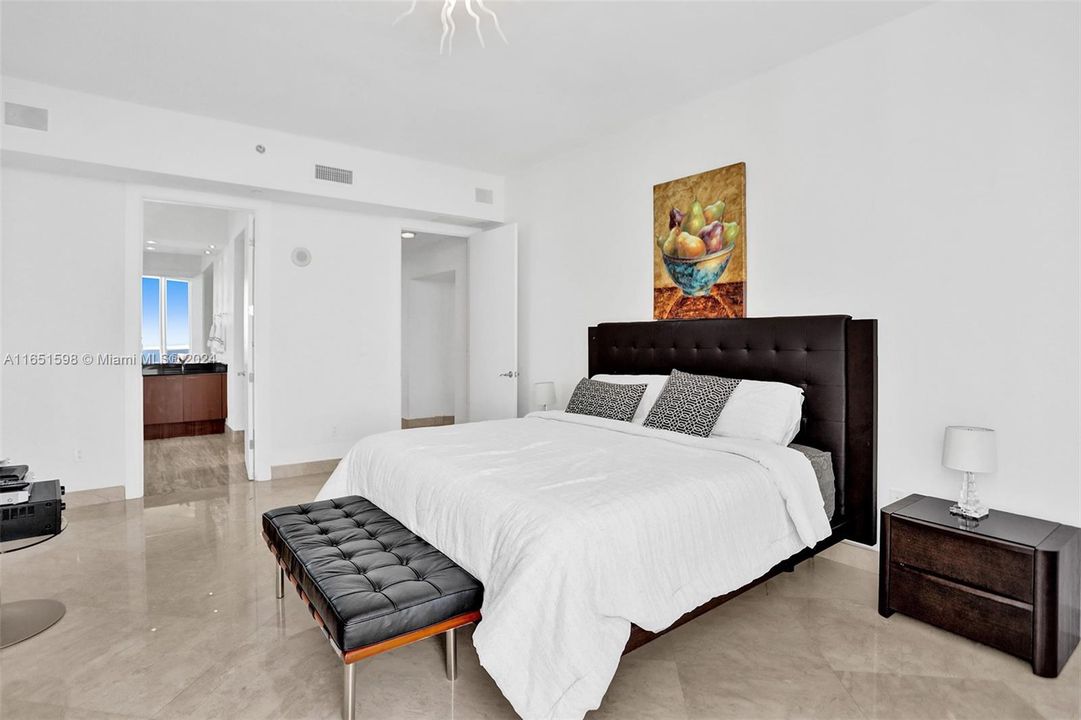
x=579, y=526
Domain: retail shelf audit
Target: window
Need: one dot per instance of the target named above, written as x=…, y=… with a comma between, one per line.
x=166, y=319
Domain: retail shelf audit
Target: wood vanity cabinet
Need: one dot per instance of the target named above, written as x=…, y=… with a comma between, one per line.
x=163, y=400
x=204, y=397
x=180, y=405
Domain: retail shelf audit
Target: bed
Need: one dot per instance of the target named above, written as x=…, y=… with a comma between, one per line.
x=593, y=537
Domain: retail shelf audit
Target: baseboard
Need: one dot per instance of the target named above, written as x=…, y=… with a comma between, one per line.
x=435, y=421
x=95, y=496
x=852, y=554
x=234, y=434
x=316, y=467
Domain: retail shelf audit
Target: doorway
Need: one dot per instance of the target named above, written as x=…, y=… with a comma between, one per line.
x=435, y=316
x=196, y=340
x=459, y=327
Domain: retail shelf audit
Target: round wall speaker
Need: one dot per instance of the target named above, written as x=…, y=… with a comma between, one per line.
x=302, y=257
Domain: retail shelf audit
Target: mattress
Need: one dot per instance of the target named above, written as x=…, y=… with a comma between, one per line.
x=822, y=463
x=579, y=527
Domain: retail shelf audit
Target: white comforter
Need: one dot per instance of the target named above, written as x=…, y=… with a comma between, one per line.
x=579, y=526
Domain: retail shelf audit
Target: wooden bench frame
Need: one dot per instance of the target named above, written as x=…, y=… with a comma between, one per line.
x=448, y=628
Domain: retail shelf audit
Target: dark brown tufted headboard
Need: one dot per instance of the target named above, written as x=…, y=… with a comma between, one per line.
x=832, y=357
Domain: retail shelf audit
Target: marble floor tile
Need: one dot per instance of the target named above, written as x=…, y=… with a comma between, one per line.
x=764, y=668
x=644, y=689
x=1054, y=698
x=172, y=614
x=186, y=464
x=22, y=710
x=829, y=580
x=884, y=696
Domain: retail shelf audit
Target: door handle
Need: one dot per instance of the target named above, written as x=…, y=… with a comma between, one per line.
x=509, y=373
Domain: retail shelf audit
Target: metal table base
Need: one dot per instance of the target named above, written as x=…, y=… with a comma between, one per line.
x=24, y=619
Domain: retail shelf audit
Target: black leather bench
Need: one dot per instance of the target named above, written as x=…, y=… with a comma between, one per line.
x=370, y=583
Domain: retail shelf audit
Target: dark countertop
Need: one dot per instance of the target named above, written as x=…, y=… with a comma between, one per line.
x=184, y=369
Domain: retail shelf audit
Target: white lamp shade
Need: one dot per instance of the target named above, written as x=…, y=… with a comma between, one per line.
x=970, y=449
x=544, y=394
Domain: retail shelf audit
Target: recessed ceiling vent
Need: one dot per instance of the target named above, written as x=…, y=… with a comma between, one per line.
x=26, y=116
x=333, y=174
x=484, y=195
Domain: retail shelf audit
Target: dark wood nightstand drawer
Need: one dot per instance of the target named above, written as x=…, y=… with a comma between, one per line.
x=980, y=616
x=1008, y=581
x=999, y=568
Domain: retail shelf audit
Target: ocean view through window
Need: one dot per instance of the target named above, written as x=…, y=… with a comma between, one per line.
x=166, y=328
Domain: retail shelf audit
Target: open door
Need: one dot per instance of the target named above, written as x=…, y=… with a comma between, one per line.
x=249, y=345
x=493, y=324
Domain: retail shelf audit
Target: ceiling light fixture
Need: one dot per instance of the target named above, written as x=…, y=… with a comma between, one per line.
x=148, y=247
x=211, y=246
x=406, y=235
x=151, y=242
x=447, y=16
x=206, y=252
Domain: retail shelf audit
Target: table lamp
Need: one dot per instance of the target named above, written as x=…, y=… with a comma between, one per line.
x=544, y=394
x=970, y=450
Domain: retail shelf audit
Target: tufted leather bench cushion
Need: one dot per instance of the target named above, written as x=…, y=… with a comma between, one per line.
x=364, y=573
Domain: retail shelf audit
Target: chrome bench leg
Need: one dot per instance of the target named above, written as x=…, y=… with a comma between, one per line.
x=280, y=590
x=349, y=692
x=452, y=653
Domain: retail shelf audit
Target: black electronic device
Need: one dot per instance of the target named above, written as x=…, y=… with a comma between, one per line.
x=12, y=474
x=40, y=515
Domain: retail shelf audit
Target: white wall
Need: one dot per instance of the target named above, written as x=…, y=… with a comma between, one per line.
x=155, y=154
x=334, y=346
x=237, y=386
x=206, y=282
x=197, y=314
x=3, y=443
x=925, y=174
x=428, y=345
x=63, y=292
x=435, y=338
x=164, y=145
x=330, y=346
x=227, y=307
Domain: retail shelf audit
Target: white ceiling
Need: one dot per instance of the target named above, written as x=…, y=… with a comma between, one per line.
x=172, y=265
x=339, y=70
x=184, y=229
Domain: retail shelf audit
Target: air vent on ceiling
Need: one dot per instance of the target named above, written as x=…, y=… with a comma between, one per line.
x=484, y=195
x=26, y=116
x=333, y=174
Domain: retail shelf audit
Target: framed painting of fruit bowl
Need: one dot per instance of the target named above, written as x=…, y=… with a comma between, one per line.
x=700, y=245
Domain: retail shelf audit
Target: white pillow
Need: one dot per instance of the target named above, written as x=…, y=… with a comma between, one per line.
x=760, y=410
x=654, y=385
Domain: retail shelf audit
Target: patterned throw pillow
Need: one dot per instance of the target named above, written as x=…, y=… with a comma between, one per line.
x=605, y=400
x=690, y=404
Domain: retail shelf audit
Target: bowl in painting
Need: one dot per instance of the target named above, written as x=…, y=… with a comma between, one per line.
x=695, y=276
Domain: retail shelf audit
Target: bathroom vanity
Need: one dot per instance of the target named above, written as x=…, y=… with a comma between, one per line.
x=180, y=400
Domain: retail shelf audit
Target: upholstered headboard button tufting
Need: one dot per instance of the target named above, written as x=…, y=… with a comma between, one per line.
x=832, y=357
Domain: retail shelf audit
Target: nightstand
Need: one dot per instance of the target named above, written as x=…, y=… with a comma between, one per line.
x=1008, y=581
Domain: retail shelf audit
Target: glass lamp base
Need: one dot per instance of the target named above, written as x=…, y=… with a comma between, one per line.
x=969, y=505
x=979, y=512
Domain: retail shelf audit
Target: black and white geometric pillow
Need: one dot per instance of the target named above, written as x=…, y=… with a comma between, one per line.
x=605, y=400
x=690, y=404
